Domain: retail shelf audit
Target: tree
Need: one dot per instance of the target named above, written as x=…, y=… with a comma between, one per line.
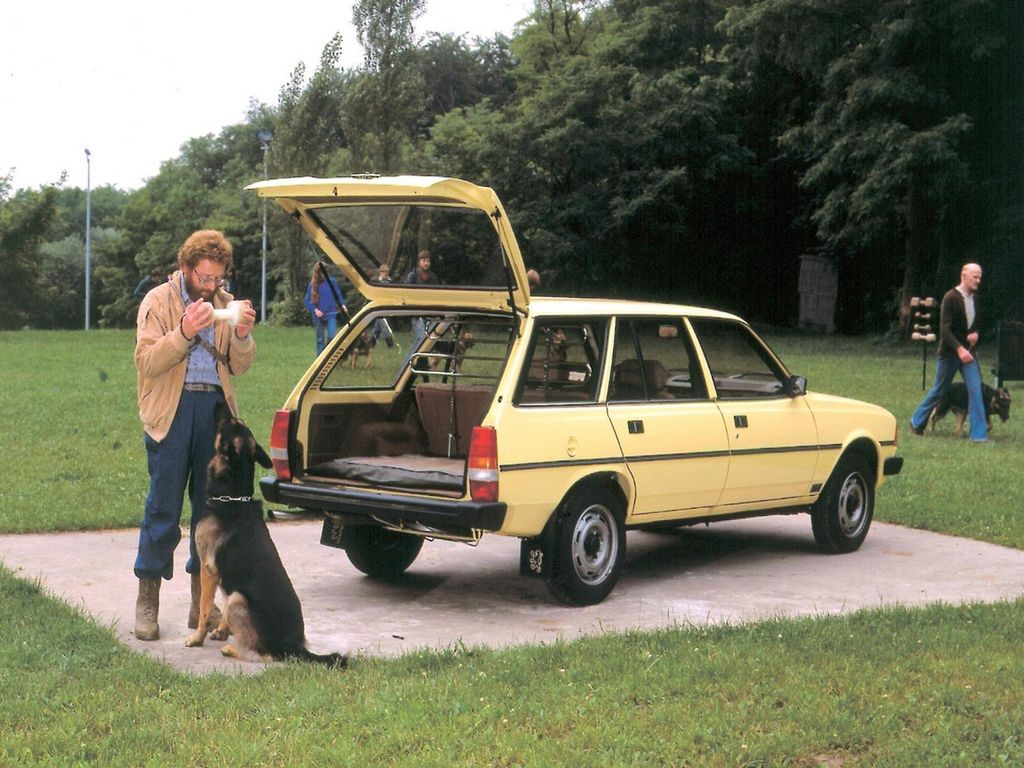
x=385, y=105
x=24, y=219
x=307, y=132
x=610, y=156
x=886, y=150
x=457, y=75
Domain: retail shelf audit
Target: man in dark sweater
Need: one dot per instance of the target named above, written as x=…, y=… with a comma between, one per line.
x=958, y=337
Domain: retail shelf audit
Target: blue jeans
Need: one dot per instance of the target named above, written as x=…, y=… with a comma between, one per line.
x=381, y=327
x=326, y=327
x=420, y=329
x=945, y=370
x=177, y=462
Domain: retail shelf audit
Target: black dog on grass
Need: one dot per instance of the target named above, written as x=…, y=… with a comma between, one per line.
x=997, y=401
x=236, y=552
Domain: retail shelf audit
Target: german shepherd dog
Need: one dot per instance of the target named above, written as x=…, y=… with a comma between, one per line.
x=997, y=401
x=236, y=553
x=362, y=345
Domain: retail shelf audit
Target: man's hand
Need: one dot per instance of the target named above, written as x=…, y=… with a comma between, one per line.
x=246, y=320
x=972, y=339
x=319, y=312
x=198, y=315
x=965, y=356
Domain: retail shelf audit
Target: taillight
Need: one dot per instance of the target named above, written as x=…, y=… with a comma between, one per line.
x=482, y=465
x=279, y=444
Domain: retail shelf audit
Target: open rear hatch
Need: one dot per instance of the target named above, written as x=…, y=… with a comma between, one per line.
x=361, y=223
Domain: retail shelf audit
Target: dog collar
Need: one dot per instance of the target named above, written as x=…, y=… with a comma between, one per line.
x=231, y=498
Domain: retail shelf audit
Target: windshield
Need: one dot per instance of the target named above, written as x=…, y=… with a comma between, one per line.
x=462, y=244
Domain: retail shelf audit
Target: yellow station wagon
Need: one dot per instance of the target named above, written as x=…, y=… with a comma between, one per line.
x=458, y=405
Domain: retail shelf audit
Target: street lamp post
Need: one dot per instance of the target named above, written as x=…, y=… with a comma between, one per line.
x=265, y=138
x=88, y=230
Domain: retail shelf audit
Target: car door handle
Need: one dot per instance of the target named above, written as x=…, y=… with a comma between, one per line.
x=635, y=427
x=740, y=422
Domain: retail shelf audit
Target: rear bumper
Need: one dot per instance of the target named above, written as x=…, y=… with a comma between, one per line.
x=892, y=465
x=452, y=515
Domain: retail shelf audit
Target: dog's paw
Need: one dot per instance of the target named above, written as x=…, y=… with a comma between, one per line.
x=220, y=633
x=195, y=639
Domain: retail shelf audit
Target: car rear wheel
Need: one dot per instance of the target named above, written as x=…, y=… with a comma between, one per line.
x=379, y=552
x=590, y=548
x=842, y=516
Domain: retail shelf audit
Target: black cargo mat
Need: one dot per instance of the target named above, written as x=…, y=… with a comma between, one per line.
x=405, y=471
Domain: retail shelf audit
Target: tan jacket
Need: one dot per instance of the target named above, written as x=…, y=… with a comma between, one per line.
x=161, y=355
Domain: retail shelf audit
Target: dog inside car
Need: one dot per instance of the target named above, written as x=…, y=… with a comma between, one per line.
x=997, y=401
x=237, y=553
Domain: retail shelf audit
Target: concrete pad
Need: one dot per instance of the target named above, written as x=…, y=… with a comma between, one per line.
x=735, y=572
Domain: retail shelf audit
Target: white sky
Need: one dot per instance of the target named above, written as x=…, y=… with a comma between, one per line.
x=133, y=81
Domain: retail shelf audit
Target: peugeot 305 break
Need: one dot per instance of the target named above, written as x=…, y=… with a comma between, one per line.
x=455, y=404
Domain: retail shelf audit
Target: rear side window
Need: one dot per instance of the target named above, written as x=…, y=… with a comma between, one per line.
x=741, y=365
x=654, y=360
x=563, y=362
x=469, y=349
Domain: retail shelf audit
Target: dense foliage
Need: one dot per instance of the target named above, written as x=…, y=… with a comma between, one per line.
x=691, y=150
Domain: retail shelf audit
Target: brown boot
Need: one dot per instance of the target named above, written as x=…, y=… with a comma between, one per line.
x=147, y=609
x=193, y=612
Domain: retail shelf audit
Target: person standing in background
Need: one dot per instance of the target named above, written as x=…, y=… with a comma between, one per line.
x=958, y=340
x=381, y=327
x=324, y=300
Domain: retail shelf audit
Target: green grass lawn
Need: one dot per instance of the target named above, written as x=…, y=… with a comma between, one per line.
x=933, y=686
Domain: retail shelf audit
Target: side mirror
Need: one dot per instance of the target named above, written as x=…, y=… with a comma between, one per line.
x=797, y=386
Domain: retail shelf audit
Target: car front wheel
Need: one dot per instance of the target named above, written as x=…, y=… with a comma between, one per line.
x=590, y=548
x=842, y=515
x=379, y=552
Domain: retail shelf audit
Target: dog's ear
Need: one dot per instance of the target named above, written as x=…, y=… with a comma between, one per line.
x=222, y=412
x=262, y=458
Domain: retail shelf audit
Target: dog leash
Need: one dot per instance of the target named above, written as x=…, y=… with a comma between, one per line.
x=231, y=498
x=219, y=356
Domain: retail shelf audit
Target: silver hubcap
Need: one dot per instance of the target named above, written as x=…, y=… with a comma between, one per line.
x=853, y=505
x=595, y=545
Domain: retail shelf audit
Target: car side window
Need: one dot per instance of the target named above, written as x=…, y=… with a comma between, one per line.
x=563, y=362
x=654, y=360
x=740, y=364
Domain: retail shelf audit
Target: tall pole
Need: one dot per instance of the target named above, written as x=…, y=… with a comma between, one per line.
x=263, y=269
x=88, y=231
x=264, y=137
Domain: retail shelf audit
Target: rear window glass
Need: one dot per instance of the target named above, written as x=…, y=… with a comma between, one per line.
x=463, y=244
x=563, y=363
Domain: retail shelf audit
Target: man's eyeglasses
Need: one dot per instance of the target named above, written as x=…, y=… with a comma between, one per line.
x=218, y=280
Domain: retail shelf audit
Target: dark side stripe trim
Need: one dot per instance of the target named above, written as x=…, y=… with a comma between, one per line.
x=664, y=457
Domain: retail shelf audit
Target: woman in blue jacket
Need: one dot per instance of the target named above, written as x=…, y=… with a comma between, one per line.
x=324, y=300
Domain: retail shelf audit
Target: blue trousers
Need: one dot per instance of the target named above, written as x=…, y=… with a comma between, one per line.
x=326, y=327
x=176, y=463
x=381, y=327
x=945, y=370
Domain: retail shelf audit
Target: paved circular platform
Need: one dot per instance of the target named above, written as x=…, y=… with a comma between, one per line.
x=453, y=594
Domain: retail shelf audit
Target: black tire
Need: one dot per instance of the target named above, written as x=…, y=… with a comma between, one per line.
x=379, y=552
x=842, y=515
x=590, y=548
